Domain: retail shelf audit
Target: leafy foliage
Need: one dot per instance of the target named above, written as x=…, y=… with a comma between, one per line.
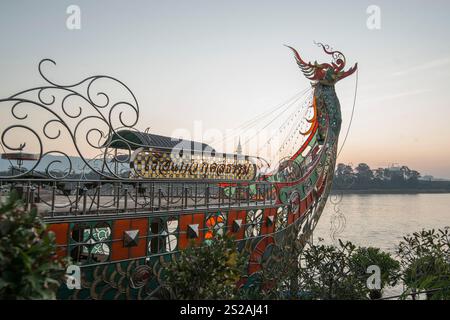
x=326, y=273
x=314, y=272
x=207, y=272
x=28, y=266
x=425, y=260
x=279, y=276
x=363, y=257
x=297, y=270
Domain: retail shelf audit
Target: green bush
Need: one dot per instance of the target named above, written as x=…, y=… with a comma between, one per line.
x=207, y=272
x=29, y=268
x=424, y=257
x=363, y=257
x=326, y=273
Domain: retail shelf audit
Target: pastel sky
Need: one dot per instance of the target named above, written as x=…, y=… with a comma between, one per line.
x=223, y=62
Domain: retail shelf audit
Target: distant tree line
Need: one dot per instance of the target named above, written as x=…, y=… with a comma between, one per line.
x=362, y=177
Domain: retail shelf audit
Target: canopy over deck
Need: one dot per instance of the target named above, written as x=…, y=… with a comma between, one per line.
x=137, y=139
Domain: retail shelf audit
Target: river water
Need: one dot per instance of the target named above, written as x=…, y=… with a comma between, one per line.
x=381, y=220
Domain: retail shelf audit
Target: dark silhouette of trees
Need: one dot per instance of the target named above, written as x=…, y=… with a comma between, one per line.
x=362, y=177
x=344, y=176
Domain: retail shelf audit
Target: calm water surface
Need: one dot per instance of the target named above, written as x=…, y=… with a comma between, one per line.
x=382, y=220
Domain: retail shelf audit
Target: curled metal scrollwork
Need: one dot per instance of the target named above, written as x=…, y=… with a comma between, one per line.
x=82, y=119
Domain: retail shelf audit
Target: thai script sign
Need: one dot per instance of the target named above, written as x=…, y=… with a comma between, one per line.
x=148, y=163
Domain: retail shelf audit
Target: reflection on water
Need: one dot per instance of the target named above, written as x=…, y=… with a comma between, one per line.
x=382, y=220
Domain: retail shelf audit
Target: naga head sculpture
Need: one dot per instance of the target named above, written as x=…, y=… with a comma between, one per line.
x=325, y=73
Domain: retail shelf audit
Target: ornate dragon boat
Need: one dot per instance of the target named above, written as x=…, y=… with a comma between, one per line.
x=139, y=198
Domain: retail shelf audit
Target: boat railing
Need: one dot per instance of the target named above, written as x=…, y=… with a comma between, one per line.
x=62, y=198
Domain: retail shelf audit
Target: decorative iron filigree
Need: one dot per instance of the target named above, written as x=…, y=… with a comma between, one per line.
x=75, y=116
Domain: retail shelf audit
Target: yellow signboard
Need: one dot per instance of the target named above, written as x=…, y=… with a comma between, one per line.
x=158, y=164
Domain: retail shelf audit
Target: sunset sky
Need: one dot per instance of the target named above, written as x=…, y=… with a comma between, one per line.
x=223, y=62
